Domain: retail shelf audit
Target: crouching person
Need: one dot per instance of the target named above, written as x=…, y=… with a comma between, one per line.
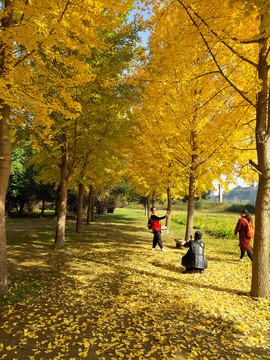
x=194, y=260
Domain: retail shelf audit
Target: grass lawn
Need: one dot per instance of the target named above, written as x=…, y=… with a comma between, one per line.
x=107, y=295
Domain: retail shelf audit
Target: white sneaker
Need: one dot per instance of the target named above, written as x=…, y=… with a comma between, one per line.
x=241, y=260
x=154, y=249
x=163, y=249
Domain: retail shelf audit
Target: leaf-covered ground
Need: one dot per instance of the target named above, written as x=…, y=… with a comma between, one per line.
x=107, y=295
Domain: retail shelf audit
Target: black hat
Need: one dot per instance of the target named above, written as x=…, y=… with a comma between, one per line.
x=198, y=235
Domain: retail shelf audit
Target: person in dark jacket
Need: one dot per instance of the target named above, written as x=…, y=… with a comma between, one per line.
x=244, y=240
x=194, y=260
x=156, y=228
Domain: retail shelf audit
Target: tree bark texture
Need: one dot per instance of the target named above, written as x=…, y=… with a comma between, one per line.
x=5, y=148
x=80, y=209
x=260, y=271
x=5, y=163
x=260, y=267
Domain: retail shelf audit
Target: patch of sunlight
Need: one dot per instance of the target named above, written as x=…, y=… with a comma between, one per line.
x=33, y=263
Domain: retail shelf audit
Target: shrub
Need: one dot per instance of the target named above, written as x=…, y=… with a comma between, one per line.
x=238, y=207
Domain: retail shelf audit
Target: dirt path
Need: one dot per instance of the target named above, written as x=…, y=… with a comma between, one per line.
x=107, y=295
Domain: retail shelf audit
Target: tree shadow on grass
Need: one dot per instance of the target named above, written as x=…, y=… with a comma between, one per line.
x=31, y=252
x=93, y=258
x=219, y=259
x=128, y=312
x=39, y=258
x=117, y=218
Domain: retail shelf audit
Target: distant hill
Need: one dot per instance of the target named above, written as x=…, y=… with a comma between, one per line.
x=240, y=194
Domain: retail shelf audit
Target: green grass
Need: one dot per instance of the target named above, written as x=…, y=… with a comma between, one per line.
x=218, y=225
x=129, y=211
x=18, y=293
x=215, y=226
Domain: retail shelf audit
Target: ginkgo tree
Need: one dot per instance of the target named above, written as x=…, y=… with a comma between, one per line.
x=235, y=37
x=102, y=152
x=192, y=130
x=151, y=170
x=35, y=36
x=102, y=171
x=103, y=124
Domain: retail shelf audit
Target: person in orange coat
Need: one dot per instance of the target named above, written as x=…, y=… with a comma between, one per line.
x=244, y=240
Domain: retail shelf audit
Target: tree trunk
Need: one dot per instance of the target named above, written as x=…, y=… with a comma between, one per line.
x=260, y=272
x=22, y=203
x=5, y=163
x=169, y=209
x=90, y=210
x=43, y=207
x=6, y=60
x=61, y=216
x=154, y=199
x=148, y=207
x=62, y=202
x=92, y=205
x=80, y=209
x=57, y=192
x=190, y=210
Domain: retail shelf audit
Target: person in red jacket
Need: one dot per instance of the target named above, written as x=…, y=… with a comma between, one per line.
x=156, y=228
x=244, y=240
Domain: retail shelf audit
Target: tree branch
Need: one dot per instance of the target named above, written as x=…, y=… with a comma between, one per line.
x=246, y=41
x=216, y=35
x=254, y=166
x=214, y=58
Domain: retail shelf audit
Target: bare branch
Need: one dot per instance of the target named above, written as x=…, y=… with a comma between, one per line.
x=215, y=60
x=254, y=166
x=249, y=122
x=267, y=53
x=246, y=41
x=216, y=35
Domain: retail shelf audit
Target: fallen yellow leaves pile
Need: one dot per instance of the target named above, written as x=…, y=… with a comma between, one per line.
x=109, y=296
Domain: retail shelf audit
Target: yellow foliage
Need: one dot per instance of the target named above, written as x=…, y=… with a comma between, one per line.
x=190, y=120
x=45, y=44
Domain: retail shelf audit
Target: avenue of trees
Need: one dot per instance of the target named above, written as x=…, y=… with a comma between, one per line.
x=62, y=86
x=206, y=104
x=193, y=108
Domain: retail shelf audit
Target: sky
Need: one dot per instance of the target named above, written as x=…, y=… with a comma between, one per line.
x=240, y=182
x=145, y=34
